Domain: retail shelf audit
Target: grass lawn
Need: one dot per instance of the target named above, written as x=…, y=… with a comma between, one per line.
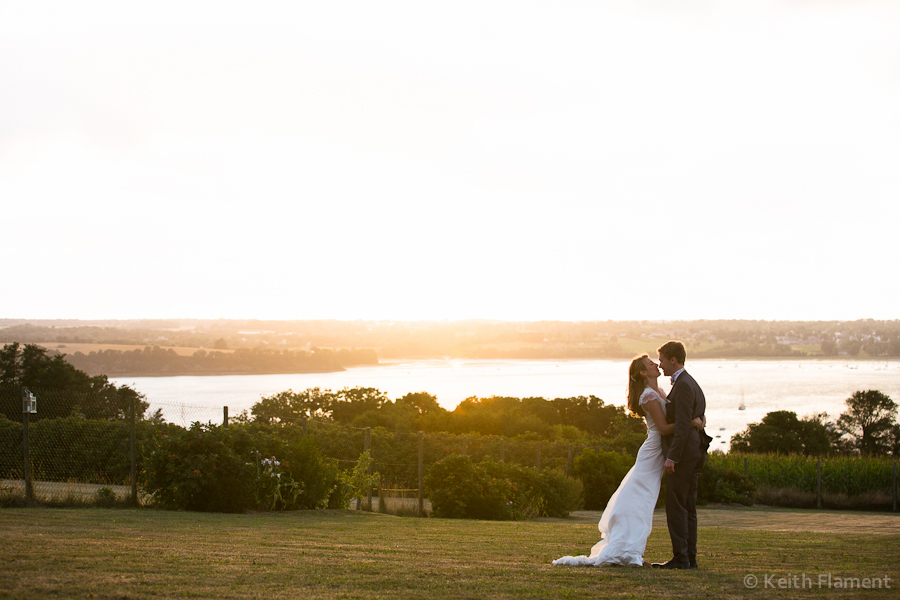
x=346, y=554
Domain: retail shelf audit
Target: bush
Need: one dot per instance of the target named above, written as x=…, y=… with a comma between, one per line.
x=299, y=462
x=601, y=473
x=208, y=468
x=461, y=488
x=718, y=483
x=561, y=494
x=195, y=469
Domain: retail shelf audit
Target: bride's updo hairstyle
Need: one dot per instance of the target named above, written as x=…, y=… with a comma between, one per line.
x=636, y=384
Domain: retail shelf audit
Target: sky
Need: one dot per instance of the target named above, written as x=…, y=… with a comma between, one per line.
x=497, y=159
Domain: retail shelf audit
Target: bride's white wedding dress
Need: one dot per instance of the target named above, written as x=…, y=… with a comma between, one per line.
x=628, y=517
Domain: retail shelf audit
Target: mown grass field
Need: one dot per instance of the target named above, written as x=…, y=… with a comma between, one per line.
x=347, y=554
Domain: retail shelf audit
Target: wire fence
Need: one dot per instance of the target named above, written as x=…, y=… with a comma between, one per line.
x=59, y=454
x=66, y=452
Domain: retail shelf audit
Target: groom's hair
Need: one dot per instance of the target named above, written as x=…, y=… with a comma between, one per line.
x=674, y=350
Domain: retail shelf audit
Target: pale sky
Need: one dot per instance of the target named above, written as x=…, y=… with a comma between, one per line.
x=511, y=160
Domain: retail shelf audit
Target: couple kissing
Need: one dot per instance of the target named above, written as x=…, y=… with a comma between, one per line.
x=676, y=446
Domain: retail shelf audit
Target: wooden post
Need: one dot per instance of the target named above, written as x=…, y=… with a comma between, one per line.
x=538, y=462
x=745, y=466
x=502, y=448
x=224, y=416
x=421, y=476
x=366, y=447
x=29, y=488
x=569, y=460
x=818, y=484
x=895, y=486
x=134, y=496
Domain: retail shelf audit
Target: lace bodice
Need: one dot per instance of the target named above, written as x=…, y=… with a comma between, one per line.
x=649, y=395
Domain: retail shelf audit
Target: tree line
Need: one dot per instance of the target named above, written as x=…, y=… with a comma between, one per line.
x=486, y=339
x=576, y=419
x=158, y=361
x=80, y=394
x=867, y=427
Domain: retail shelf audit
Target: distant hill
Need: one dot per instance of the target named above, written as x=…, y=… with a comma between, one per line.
x=478, y=338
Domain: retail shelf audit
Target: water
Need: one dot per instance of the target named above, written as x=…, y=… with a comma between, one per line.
x=805, y=387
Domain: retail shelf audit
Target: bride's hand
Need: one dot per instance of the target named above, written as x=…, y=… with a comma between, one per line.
x=699, y=423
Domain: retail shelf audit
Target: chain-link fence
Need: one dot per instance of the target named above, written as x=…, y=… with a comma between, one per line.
x=66, y=453
x=60, y=455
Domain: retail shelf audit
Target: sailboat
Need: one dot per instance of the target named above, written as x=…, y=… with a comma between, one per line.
x=742, y=406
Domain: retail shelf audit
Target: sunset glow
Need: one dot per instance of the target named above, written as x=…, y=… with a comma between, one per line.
x=401, y=160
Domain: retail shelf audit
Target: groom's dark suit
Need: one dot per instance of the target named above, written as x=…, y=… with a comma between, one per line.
x=687, y=448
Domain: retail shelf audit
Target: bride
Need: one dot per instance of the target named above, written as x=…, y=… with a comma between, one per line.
x=628, y=517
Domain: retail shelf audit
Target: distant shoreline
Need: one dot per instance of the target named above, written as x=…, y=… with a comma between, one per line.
x=388, y=362
x=221, y=373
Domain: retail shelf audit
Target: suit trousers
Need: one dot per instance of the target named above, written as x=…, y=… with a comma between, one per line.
x=681, y=508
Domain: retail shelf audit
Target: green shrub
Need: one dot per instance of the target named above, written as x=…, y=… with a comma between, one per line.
x=209, y=468
x=561, y=494
x=719, y=483
x=300, y=463
x=461, y=488
x=601, y=473
x=195, y=469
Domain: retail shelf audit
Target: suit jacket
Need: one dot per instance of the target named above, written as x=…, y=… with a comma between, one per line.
x=686, y=402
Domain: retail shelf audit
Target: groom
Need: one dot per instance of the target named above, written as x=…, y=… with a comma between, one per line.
x=685, y=452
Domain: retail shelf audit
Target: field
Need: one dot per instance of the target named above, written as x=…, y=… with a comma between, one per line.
x=349, y=554
x=69, y=348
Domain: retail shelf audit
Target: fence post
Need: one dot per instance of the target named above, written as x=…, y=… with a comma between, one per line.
x=569, y=460
x=818, y=484
x=745, y=466
x=366, y=447
x=421, y=468
x=29, y=488
x=502, y=448
x=224, y=416
x=134, y=496
x=895, y=486
x=538, y=464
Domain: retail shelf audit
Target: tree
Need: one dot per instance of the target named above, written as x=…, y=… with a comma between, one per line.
x=291, y=407
x=782, y=432
x=62, y=389
x=869, y=421
x=422, y=402
x=349, y=403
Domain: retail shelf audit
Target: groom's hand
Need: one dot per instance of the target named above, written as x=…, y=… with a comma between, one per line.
x=669, y=466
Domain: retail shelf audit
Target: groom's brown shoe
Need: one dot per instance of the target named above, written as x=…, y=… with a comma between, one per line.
x=671, y=565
